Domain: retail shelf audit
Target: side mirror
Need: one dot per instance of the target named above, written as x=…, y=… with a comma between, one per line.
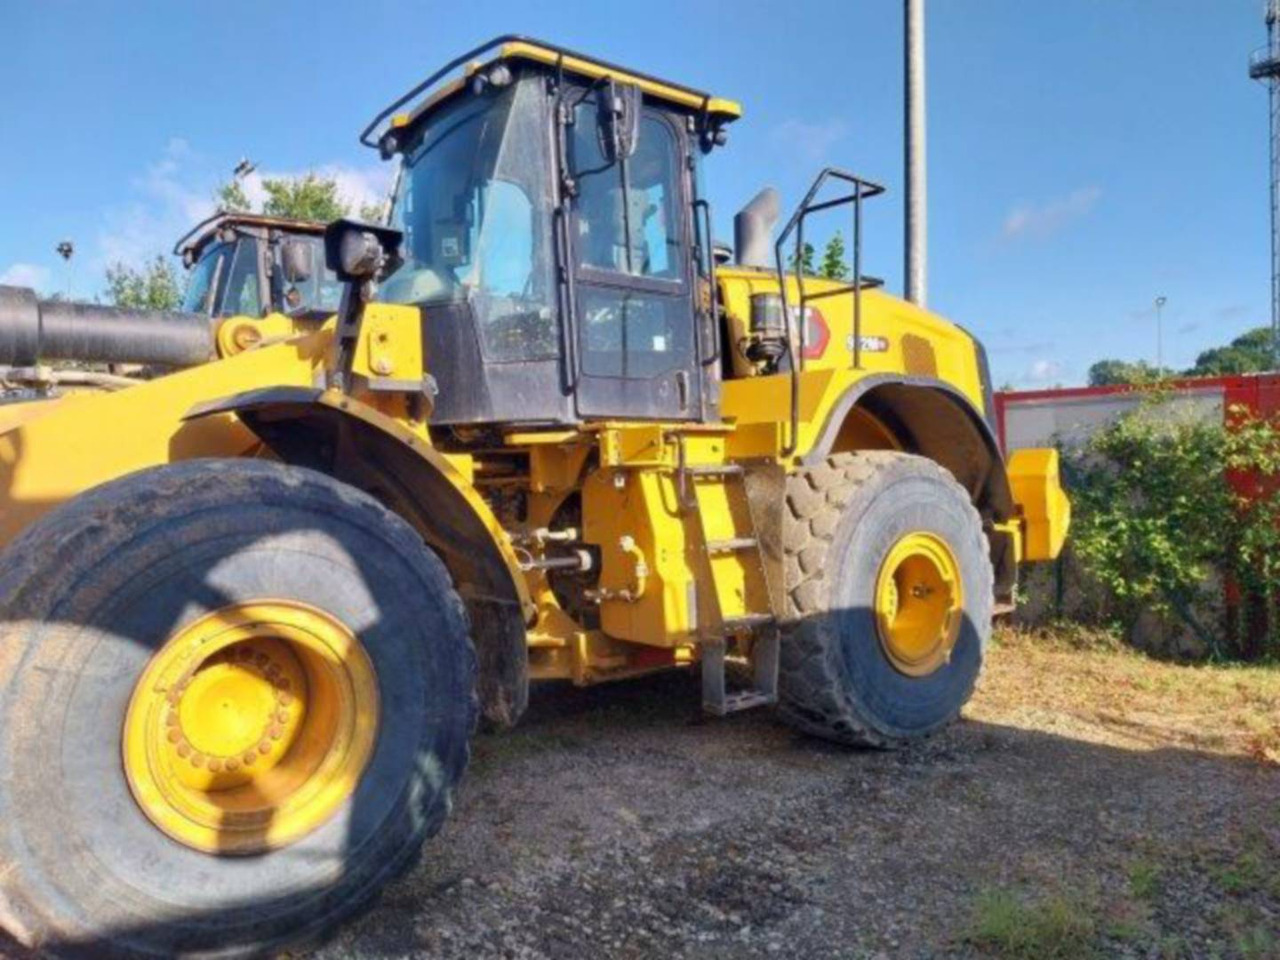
x=297, y=259
x=620, y=119
x=358, y=251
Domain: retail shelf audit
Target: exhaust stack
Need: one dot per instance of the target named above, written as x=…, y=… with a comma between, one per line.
x=34, y=330
x=752, y=228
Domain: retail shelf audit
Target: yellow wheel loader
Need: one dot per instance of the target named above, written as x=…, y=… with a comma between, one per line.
x=253, y=609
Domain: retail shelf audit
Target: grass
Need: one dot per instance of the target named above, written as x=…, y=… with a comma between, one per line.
x=1245, y=873
x=1144, y=879
x=1054, y=927
x=1223, y=709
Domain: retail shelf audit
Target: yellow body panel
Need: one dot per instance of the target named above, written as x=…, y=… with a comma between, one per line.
x=84, y=440
x=1042, y=503
x=898, y=338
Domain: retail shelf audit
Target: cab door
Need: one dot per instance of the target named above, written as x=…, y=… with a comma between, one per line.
x=636, y=351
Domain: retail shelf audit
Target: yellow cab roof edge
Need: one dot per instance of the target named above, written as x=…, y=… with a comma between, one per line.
x=517, y=47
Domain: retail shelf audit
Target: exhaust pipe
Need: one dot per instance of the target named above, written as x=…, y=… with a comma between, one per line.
x=752, y=229
x=34, y=330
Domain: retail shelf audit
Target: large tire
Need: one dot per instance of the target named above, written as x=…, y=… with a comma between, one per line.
x=90, y=591
x=841, y=520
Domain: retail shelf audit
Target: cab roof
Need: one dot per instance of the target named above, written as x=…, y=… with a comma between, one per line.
x=419, y=101
x=195, y=239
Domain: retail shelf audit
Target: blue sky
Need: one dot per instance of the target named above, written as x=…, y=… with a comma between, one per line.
x=1085, y=156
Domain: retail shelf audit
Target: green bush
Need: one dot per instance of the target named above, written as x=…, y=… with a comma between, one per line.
x=1168, y=508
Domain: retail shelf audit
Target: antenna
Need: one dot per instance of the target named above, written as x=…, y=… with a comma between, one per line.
x=1264, y=65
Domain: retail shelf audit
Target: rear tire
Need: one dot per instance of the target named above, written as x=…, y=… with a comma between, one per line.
x=93, y=589
x=842, y=523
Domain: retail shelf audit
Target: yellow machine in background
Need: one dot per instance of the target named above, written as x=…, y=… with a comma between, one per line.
x=251, y=607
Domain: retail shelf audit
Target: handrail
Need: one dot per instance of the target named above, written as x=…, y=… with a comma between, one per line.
x=862, y=190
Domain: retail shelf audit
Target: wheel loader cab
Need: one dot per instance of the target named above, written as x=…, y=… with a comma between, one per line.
x=549, y=244
x=250, y=265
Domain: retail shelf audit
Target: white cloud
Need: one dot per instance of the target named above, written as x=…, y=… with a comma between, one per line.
x=171, y=196
x=177, y=191
x=813, y=141
x=26, y=275
x=1043, y=220
x=1043, y=371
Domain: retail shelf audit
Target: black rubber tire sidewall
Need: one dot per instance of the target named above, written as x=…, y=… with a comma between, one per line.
x=850, y=690
x=90, y=591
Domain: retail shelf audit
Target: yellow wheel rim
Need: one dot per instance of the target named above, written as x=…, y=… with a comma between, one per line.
x=919, y=600
x=251, y=726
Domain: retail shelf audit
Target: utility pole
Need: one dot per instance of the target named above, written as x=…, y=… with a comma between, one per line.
x=917, y=226
x=1264, y=65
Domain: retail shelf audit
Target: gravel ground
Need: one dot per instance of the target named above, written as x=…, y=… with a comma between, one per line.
x=617, y=823
x=1091, y=803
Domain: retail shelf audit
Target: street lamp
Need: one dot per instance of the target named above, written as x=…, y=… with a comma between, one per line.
x=1160, y=302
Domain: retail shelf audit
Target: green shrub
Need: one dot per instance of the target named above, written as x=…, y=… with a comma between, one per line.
x=1168, y=508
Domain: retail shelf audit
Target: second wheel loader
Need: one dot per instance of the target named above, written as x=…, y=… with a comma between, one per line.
x=252, y=609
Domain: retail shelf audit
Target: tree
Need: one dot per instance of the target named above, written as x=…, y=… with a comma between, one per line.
x=833, y=265
x=154, y=287
x=804, y=261
x=1251, y=352
x=373, y=212
x=231, y=197
x=309, y=197
x=1110, y=373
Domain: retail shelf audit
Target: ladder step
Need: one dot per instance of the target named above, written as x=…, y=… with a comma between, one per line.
x=731, y=544
x=714, y=469
x=748, y=621
x=740, y=700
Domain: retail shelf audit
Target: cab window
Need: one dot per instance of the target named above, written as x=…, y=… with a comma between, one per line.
x=633, y=231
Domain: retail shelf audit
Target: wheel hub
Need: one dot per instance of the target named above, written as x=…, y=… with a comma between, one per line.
x=250, y=726
x=918, y=604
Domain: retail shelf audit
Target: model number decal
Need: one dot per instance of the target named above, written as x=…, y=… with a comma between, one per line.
x=869, y=344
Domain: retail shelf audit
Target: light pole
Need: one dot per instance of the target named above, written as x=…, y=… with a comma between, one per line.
x=1160, y=302
x=916, y=228
x=66, y=250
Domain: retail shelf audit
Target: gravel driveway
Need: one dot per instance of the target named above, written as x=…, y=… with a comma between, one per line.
x=618, y=823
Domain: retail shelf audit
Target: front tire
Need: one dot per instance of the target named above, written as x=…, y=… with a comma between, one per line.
x=235, y=698
x=889, y=599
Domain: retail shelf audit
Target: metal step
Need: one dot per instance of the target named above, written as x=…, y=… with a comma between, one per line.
x=718, y=699
x=731, y=544
x=740, y=700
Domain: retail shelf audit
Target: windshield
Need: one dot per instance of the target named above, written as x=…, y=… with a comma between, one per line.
x=224, y=281
x=474, y=205
x=203, y=278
